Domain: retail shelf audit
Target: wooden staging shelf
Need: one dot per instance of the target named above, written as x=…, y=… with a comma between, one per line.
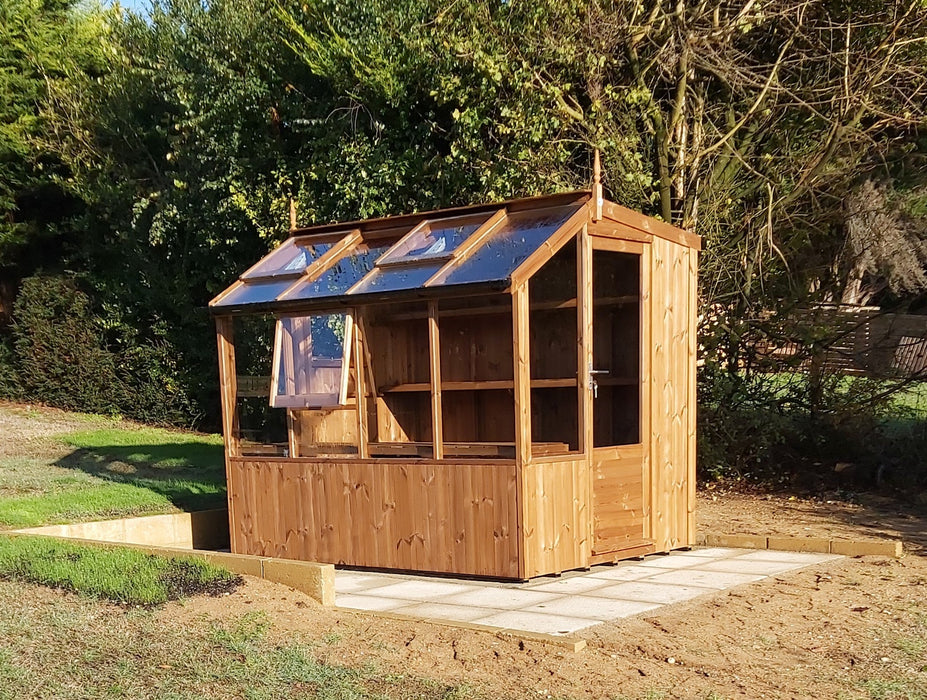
x=502, y=384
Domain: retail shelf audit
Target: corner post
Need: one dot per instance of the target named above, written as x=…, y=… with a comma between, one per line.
x=228, y=385
x=434, y=353
x=522, y=376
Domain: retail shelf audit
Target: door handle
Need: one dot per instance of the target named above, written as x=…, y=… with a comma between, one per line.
x=593, y=383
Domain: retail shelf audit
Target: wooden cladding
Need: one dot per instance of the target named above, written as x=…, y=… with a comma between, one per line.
x=447, y=517
x=672, y=415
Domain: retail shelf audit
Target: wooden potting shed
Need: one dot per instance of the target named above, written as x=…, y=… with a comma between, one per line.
x=504, y=390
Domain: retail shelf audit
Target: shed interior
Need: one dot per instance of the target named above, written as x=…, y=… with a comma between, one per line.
x=466, y=391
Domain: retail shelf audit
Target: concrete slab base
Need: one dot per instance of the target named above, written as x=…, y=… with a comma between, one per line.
x=560, y=607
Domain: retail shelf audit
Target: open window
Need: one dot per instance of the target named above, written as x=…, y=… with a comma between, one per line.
x=420, y=254
x=311, y=356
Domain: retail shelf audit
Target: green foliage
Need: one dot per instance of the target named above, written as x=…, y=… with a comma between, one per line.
x=119, y=574
x=69, y=354
x=47, y=48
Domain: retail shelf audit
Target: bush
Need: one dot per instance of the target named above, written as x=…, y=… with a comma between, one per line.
x=9, y=378
x=794, y=428
x=73, y=352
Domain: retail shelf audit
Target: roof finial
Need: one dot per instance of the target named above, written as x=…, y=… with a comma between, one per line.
x=597, y=185
x=292, y=214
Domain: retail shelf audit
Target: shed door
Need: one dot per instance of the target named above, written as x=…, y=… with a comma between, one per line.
x=615, y=382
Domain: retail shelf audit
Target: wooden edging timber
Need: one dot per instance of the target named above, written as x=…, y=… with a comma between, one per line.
x=569, y=643
x=314, y=579
x=848, y=548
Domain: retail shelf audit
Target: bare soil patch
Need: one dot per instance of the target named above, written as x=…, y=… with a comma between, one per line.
x=854, y=628
x=830, y=515
x=29, y=431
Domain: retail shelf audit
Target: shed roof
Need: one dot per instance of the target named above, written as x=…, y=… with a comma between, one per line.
x=425, y=254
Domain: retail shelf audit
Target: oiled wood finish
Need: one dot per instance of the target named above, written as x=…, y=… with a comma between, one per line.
x=314, y=427
x=228, y=384
x=450, y=517
x=522, y=372
x=498, y=386
x=618, y=498
x=555, y=516
x=434, y=352
x=672, y=385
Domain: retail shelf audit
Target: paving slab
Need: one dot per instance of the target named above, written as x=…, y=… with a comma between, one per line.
x=750, y=566
x=651, y=592
x=601, y=609
x=803, y=558
x=348, y=582
x=706, y=579
x=622, y=572
x=680, y=562
x=576, y=601
x=574, y=584
x=442, y=611
x=536, y=622
x=716, y=552
x=421, y=588
x=504, y=598
x=367, y=602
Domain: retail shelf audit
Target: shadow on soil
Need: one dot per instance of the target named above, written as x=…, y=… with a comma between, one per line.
x=832, y=508
x=878, y=514
x=191, y=476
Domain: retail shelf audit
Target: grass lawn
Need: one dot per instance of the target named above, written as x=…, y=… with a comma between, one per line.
x=98, y=468
x=54, y=646
x=116, y=574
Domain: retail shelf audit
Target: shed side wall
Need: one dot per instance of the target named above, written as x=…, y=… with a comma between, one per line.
x=672, y=435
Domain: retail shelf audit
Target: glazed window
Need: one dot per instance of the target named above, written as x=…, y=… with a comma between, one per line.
x=311, y=361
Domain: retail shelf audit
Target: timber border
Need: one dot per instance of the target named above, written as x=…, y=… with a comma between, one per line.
x=847, y=548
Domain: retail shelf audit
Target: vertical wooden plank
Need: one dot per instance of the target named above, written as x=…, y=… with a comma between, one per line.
x=692, y=402
x=228, y=385
x=584, y=331
x=360, y=388
x=658, y=457
x=522, y=399
x=294, y=432
x=522, y=375
x=671, y=395
x=434, y=348
x=677, y=423
x=646, y=377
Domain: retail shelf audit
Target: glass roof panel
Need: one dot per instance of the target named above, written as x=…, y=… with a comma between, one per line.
x=508, y=246
x=344, y=273
x=255, y=292
x=395, y=278
x=435, y=239
x=291, y=258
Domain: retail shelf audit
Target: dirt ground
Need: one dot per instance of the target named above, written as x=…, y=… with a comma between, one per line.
x=853, y=628
x=28, y=431
x=835, y=516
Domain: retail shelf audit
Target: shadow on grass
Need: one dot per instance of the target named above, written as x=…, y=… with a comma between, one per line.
x=190, y=475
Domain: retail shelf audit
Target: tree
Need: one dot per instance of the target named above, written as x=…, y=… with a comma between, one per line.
x=46, y=48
